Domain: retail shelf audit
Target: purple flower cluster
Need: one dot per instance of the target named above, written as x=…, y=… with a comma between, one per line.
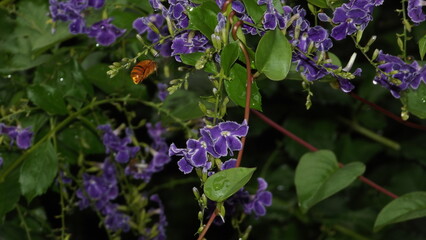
x=415, y=11
x=159, y=152
x=260, y=200
x=351, y=17
x=251, y=203
x=184, y=41
x=311, y=43
x=240, y=11
x=272, y=18
x=397, y=75
x=20, y=136
x=162, y=220
x=99, y=191
x=118, y=146
x=74, y=11
x=162, y=91
x=217, y=141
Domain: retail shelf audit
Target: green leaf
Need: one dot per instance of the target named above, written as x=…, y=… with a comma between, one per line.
x=203, y=18
x=47, y=98
x=65, y=75
x=273, y=55
x=81, y=139
x=255, y=11
x=224, y=184
x=182, y=104
x=236, y=88
x=9, y=191
x=319, y=3
x=406, y=207
x=229, y=55
x=192, y=59
x=415, y=100
x=422, y=46
x=318, y=177
x=38, y=170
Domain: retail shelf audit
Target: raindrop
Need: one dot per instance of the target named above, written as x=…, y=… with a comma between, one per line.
x=61, y=79
x=97, y=45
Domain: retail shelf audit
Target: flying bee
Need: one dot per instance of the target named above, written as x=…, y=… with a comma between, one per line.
x=142, y=70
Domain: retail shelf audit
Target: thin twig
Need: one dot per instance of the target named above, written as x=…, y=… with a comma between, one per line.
x=313, y=149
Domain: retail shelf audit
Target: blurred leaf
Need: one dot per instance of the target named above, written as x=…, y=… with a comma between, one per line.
x=47, y=98
x=204, y=18
x=320, y=133
x=66, y=76
x=32, y=36
x=38, y=170
x=9, y=191
x=273, y=55
x=192, y=59
x=236, y=88
x=35, y=121
x=422, y=46
x=318, y=177
x=228, y=57
x=415, y=100
x=319, y=3
x=220, y=186
x=183, y=104
x=351, y=149
x=123, y=19
x=79, y=138
x=409, y=206
x=255, y=11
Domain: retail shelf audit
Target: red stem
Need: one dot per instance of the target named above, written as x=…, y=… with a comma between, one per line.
x=313, y=149
x=387, y=113
x=206, y=228
x=247, y=104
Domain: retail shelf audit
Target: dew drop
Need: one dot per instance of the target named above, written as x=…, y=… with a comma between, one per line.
x=9, y=76
x=61, y=79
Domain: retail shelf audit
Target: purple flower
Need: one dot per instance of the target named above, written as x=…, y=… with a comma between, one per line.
x=226, y=136
x=231, y=163
x=159, y=152
x=398, y=76
x=22, y=136
x=119, y=146
x=96, y=3
x=415, y=11
x=116, y=221
x=73, y=11
x=1, y=162
x=351, y=17
x=214, y=141
x=162, y=223
x=77, y=26
x=260, y=200
x=271, y=18
x=194, y=156
x=185, y=43
x=105, y=32
x=162, y=91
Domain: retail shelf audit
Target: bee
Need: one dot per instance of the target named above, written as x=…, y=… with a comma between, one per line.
x=142, y=70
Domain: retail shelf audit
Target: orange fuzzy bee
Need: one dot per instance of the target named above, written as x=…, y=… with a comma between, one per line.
x=142, y=70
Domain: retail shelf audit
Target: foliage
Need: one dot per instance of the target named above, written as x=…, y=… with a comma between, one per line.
x=87, y=154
